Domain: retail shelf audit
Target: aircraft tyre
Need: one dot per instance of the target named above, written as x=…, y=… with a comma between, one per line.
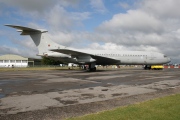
x=92, y=69
x=147, y=67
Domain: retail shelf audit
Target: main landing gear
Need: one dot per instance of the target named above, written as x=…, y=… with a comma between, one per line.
x=92, y=67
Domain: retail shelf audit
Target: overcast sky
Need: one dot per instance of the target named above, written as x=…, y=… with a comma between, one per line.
x=147, y=25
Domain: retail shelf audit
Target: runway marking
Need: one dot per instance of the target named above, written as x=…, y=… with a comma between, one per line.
x=62, y=79
x=158, y=77
x=107, y=77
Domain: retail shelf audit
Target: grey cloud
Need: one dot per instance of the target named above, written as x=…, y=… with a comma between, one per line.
x=72, y=3
x=133, y=20
x=166, y=8
x=13, y=50
x=98, y=6
x=59, y=19
x=38, y=5
x=123, y=5
x=7, y=50
x=70, y=38
x=30, y=5
x=52, y=12
x=23, y=46
x=80, y=16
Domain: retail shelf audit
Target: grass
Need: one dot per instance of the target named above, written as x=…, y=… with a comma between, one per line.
x=166, y=108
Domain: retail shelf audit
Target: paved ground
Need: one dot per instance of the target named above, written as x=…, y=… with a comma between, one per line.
x=58, y=94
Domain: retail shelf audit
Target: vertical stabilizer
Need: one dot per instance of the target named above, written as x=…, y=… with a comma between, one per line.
x=40, y=38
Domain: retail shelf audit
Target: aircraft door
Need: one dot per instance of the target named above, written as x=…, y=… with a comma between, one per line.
x=152, y=56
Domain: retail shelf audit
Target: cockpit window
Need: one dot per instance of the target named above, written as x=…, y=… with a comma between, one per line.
x=165, y=56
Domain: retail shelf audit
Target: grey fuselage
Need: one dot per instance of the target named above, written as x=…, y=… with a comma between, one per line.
x=124, y=57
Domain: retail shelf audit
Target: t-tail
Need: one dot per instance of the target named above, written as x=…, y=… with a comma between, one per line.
x=40, y=38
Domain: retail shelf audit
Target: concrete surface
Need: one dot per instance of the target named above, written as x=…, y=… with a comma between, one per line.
x=23, y=91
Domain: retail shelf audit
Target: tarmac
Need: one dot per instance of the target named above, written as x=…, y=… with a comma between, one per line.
x=24, y=93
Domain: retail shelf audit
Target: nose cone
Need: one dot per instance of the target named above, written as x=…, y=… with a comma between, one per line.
x=168, y=60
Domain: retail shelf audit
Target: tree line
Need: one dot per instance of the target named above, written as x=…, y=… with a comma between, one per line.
x=49, y=61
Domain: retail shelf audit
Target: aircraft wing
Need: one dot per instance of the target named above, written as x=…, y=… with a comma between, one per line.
x=69, y=52
x=99, y=59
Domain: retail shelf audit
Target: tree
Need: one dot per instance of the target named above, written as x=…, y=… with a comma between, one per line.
x=49, y=61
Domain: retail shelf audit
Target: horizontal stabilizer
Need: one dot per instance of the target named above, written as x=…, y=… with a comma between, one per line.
x=27, y=30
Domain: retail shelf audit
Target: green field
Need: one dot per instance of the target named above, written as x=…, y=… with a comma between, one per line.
x=166, y=108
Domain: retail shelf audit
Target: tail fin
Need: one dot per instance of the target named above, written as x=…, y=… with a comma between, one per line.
x=39, y=37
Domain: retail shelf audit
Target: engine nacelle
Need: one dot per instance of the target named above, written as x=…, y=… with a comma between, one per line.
x=85, y=59
x=55, y=54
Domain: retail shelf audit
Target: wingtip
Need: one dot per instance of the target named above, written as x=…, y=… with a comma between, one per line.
x=8, y=25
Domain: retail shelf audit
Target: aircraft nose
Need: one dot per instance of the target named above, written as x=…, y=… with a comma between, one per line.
x=168, y=59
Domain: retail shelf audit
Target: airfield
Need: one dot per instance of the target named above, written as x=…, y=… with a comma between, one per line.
x=59, y=94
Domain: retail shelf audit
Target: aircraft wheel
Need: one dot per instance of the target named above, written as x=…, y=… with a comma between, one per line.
x=93, y=69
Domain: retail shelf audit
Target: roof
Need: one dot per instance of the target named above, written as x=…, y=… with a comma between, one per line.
x=12, y=57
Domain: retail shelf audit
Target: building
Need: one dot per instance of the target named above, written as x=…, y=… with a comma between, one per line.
x=10, y=60
x=34, y=62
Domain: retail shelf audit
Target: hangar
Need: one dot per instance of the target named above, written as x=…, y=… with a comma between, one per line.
x=10, y=60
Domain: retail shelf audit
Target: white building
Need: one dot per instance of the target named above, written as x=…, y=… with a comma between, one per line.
x=10, y=60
